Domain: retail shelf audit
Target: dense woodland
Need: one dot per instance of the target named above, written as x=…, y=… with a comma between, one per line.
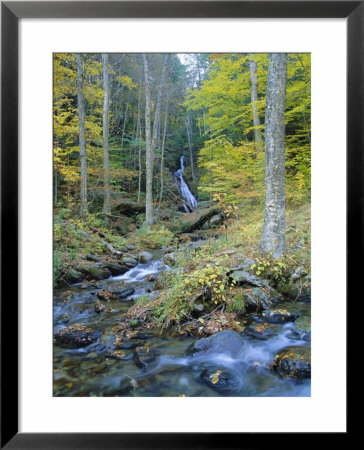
x=111, y=111
x=242, y=123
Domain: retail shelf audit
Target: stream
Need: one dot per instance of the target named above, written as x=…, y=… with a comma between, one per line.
x=90, y=371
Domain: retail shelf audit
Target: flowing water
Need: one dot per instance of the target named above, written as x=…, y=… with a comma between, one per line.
x=190, y=201
x=89, y=371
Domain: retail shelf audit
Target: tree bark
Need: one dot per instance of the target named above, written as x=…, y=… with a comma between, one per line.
x=162, y=153
x=150, y=138
x=254, y=99
x=189, y=137
x=82, y=140
x=105, y=133
x=148, y=147
x=123, y=133
x=273, y=237
x=139, y=138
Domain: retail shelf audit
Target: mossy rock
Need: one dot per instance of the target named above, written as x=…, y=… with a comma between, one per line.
x=93, y=272
x=260, y=298
x=73, y=276
x=303, y=323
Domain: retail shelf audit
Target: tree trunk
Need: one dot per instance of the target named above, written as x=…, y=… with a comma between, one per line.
x=162, y=152
x=82, y=140
x=123, y=133
x=273, y=237
x=189, y=137
x=149, y=138
x=254, y=99
x=140, y=139
x=148, y=147
x=105, y=133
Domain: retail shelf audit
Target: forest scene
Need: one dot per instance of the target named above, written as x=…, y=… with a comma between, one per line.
x=182, y=232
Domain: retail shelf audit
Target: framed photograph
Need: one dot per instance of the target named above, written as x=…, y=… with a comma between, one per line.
x=181, y=221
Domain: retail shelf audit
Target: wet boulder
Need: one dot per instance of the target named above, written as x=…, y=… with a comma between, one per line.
x=144, y=356
x=124, y=293
x=277, y=316
x=294, y=362
x=220, y=379
x=76, y=336
x=301, y=330
x=261, y=331
x=116, y=269
x=225, y=342
x=129, y=262
x=145, y=257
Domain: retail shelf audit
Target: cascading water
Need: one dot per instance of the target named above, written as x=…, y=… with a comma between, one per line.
x=190, y=201
x=103, y=370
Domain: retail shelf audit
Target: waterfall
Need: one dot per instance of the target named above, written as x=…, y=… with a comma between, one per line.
x=190, y=201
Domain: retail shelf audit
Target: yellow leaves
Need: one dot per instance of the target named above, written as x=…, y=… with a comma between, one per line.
x=201, y=320
x=261, y=327
x=126, y=81
x=215, y=377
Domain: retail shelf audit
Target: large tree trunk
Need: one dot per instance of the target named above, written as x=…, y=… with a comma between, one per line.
x=139, y=138
x=105, y=133
x=148, y=147
x=82, y=140
x=149, y=138
x=254, y=99
x=273, y=237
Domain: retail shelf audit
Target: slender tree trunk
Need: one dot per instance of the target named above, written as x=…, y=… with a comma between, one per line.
x=254, y=99
x=140, y=138
x=82, y=140
x=148, y=147
x=273, y=237
x=162, y=153
x=123, y=133
x=150, y=138
x=189, y=137
x=210, y=172
x=140, y=164
x=55, y=187
x=105, y=133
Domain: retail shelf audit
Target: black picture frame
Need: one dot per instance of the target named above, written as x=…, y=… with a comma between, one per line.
x=11, y=12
